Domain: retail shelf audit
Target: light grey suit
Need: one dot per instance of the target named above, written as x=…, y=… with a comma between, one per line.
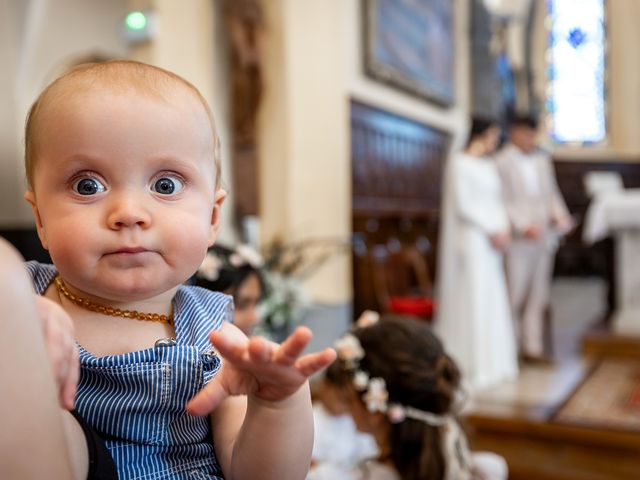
x=532, y=197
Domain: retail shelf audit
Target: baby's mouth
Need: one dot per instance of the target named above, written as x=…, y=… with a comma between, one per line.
x=128, y=250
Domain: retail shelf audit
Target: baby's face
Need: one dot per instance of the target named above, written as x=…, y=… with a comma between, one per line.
x=124, y=192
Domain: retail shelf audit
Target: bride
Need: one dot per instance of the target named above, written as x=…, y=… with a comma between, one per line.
x=474, y=318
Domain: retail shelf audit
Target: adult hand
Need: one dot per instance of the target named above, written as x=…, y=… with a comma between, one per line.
x=500, y=240
x=57, y=330
x=259, y=367
x=532, y=232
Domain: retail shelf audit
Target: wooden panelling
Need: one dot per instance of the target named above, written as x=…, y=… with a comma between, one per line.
x=396, y=163
x=536, y=449
x=397, y=166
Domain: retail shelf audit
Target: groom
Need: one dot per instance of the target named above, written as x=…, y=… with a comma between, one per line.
x=538, y=215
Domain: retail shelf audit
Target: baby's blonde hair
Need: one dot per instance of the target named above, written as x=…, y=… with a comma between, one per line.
x=119, y=75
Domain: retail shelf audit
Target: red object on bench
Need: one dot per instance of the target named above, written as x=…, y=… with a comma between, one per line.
x=408, y=305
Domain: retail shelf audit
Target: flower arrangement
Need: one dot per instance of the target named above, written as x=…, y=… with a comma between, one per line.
x=284, y=304
x=286, y=267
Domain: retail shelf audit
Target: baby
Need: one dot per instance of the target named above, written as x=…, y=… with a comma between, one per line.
x=122, y=160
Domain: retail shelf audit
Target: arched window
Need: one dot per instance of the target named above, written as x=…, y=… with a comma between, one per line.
x=576, y=103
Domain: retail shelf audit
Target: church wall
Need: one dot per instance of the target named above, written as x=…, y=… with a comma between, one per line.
x=36, y=40
x=303, y=142
x=11, y=182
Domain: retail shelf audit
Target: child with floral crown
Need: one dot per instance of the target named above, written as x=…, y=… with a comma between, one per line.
x=405, y=391
x=124, y=181
x=237, y=272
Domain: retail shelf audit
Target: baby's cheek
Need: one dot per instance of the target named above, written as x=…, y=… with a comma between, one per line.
x=190, y=243
x=67, y=246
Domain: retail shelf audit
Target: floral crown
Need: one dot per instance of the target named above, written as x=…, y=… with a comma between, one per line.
x=376, y=395
x=242, y=256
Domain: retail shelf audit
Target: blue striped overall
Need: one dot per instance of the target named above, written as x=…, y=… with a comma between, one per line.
x=136, y=401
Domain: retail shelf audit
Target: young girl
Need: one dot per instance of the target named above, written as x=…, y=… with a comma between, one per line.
x=405, y=391
x=124, y=181
x=237, y=273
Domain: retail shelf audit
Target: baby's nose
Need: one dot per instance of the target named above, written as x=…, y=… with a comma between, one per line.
x=128, y=210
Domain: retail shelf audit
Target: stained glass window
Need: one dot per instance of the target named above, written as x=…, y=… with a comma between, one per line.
x=576, y=75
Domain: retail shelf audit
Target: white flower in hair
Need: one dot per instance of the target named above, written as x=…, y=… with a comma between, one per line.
x=376, y=395
x=210, y=267
x=236, y=260
x=360, y=380
x=368, y=318
x=396, y=413
x=250, y=255
x=349, y=350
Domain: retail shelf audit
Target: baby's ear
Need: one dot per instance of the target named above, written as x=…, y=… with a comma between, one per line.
x=30, y=197
x=216, y=215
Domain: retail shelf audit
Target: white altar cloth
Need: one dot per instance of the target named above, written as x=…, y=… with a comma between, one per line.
x=612, y=212
x=618, y=214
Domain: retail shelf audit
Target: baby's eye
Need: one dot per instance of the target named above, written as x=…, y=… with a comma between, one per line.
x=168, y=185
x=88, y=186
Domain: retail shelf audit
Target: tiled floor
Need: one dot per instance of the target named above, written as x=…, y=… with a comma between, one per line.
x=577, y=303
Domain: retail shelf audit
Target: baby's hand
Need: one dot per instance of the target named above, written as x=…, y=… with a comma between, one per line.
x=258, y=367
x=57, y=330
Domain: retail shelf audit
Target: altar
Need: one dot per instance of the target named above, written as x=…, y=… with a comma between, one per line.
x=617, y=214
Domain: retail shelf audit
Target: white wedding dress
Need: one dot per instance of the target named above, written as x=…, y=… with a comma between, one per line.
x=474, y=319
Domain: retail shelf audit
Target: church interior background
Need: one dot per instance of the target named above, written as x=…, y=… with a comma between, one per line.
x=336, y=118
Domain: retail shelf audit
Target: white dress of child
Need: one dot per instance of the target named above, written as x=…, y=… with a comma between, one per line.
x=338, y=446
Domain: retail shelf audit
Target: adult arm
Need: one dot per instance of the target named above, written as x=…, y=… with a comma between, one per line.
x=559, y=212
x=38, y=439
x=492, y=220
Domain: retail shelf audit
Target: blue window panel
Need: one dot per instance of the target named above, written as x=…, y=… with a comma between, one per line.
x=576, y=77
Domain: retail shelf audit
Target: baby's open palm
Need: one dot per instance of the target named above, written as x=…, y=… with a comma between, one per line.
x=258, y=367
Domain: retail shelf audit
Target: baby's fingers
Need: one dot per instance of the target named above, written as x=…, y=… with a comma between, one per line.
x=261, y=350
x=293, y=346
x=207, y=399
x=314, y=362
x=230, y=344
